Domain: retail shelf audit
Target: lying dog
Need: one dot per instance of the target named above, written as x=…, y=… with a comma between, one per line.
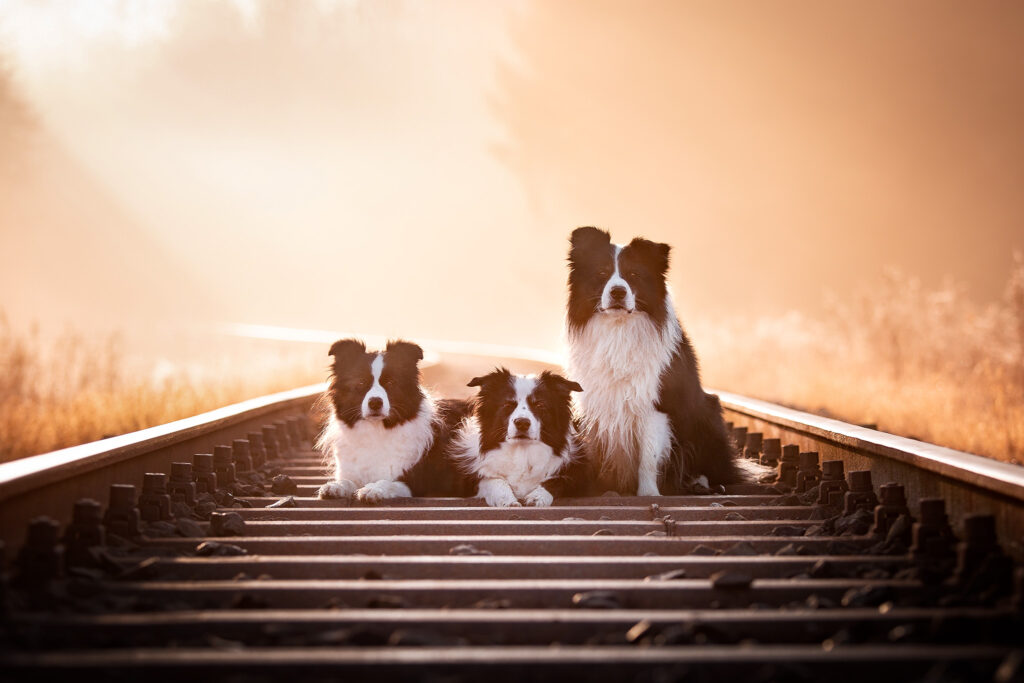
x=387, y=437
x=648, y=426
x=520, y=443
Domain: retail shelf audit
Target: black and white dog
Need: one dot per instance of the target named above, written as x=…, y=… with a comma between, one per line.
x=520, y=442
x=386, y=436
x=648, y=426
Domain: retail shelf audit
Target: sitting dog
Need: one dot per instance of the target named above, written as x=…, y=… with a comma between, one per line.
x=386, y=436
x=520, y=442
x=648, y=426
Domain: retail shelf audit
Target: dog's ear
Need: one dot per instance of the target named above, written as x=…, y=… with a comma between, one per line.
x=560, y=383
x=587, y=238
x=655, y=254
x=344, y=350
x=404, y=352
x=497, y=375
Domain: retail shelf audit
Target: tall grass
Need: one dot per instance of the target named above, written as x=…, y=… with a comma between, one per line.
x=926, y=363
x=77, y=388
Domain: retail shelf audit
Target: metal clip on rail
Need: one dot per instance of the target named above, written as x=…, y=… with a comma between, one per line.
x=788, y=466
x=204, y=473
x=861, y=495
x=753, y=446
x=181, y=487
x=771, y=452
x=122, y=516
x=84, y=532
x=808, y=474
x=154, y=503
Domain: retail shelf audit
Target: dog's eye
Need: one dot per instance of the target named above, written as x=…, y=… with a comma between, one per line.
x=539, y=405
x=387, y=382
x=509, y=405
x=631, y=273
x=604, y=272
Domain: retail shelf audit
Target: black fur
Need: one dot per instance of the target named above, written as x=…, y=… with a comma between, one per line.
x=702, y=446
x=351, y=379
x=435, y=474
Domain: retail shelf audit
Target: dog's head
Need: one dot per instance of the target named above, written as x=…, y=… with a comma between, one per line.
x=612, y=280
x=370, y=385
x=524, y=409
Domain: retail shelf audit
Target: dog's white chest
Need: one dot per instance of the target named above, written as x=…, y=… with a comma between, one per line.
x=367, y=452
x=523, y=466
x=619, y=360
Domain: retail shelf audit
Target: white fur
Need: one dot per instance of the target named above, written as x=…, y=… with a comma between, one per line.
x=618, y=358
x=524, y=386
x=368, y=458
x=539, y=497
x=376, y=391
x=377, y=491
x=616, y=280
x=337, y=489
x=497, y=494
x=514, y=471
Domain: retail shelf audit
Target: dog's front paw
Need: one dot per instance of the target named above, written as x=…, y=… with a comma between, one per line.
x=497, y=494
x=539, y=497
x=377, y=491
x=337, y=489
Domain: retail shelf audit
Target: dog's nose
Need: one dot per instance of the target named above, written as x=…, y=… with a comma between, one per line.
x=618, y=293
x=522, y=424
x=375, y=403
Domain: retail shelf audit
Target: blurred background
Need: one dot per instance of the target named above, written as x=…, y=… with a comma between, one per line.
x=840, y=182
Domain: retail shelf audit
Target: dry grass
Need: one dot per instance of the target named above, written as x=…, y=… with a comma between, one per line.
x=932, y=365
x=74, y=389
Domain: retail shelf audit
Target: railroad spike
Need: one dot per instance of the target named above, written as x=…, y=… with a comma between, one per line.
x=808, y=474
x=256, y=449
x=284, y=439
x=240, y=455
x=154, y=503
x=122, y=516
x=771, y=452
x=833, y=481
x=204, y=473
x=752, y=449
x=893, y=503
x=41, y=558
x=739, y=435
x=981, y=566
x=861, y=494
x=788, y=466
x=181, y=486
x=295, y=431
x=83, y=533
x=270, y=443
x=223, y=466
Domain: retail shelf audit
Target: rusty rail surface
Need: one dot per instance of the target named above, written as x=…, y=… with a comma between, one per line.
x=231, y=568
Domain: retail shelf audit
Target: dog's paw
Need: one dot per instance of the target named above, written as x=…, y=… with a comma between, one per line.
x=539, y=497
x=497, y=494
x=377, y=491
x=337, y=489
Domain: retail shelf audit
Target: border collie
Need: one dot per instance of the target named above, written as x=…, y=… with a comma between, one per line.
x=386, y=436
x=520, y=442
x=648, y=426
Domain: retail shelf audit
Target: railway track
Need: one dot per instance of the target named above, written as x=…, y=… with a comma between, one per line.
x=864, y=556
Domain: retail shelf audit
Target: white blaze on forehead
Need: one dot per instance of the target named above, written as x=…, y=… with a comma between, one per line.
x=376, y=368
x=616, y=280
x=523, y=386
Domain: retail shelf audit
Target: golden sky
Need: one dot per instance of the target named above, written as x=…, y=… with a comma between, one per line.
x=415, y=167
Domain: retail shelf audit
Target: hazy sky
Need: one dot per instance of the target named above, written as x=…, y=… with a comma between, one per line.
x=415, y=167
